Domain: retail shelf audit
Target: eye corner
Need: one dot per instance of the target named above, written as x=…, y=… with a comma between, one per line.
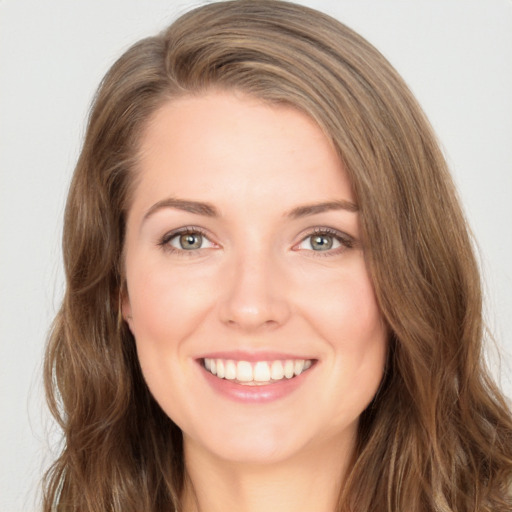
x=334, y=242
x=165, y=241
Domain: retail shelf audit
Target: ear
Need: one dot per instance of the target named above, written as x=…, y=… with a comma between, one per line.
x=125, y=305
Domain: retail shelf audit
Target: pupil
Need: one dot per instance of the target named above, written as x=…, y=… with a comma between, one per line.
x=190, y=241
x=321, y=243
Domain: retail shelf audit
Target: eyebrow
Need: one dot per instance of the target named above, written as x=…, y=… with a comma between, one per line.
x=208, y=210
x=312, y=209
x=196, y=207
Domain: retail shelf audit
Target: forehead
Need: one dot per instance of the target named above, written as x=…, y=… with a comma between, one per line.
x=221, y=145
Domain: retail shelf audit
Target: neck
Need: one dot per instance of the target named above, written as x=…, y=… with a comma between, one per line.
x=308, y=481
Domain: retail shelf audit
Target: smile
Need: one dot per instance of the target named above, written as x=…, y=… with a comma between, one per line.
x=256, y=373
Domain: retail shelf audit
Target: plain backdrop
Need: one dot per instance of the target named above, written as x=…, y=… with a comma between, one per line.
x=455, y=55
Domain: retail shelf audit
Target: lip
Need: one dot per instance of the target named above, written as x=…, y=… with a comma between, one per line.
x=253, y=357
x=258, y=394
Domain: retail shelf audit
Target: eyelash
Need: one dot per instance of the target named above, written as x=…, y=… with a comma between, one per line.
x=346, y=241
x=164, y=242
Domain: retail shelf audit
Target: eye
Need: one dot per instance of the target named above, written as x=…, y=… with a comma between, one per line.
x=187, y=239
x=325, y=240
x=319, y=242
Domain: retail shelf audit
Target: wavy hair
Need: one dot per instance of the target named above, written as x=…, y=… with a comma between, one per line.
x=438, y=436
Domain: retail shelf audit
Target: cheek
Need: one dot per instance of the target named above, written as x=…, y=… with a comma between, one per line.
x=343, y=307
x=166, y=304
x=361, y=338
x=358, y=337
x=166, y=307
x=344, y=313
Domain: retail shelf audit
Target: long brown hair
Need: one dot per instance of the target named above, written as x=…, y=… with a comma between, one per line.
x=438, y=436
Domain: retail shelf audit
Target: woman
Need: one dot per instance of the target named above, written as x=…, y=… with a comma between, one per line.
x=272, y=300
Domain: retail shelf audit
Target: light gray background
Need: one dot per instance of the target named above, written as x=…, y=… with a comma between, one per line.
x=456, y=56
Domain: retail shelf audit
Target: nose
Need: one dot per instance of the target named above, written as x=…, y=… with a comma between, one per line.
x=254, y=294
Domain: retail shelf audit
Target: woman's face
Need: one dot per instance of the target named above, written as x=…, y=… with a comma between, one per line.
x=244, y=258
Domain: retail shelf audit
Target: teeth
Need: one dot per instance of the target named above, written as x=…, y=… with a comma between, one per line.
x=277, y=370
x=261, y=372
x=230, y=368
x=258, y=372
x=220, y=369
x=289, y=369
x=243, y=371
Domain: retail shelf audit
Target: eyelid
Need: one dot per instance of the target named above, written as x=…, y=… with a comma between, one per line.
x=346, y=241
x=164, y=240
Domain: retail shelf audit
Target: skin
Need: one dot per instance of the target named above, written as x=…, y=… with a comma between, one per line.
x=256, y=285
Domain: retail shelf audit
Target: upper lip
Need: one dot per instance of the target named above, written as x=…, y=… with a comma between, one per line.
x=253, y=356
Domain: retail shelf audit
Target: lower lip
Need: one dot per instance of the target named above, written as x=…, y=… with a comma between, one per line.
x=255, y=394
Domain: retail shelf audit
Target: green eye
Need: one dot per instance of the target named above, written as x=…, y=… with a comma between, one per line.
x=321, y=242
x=188, y=241
x=326, y=240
